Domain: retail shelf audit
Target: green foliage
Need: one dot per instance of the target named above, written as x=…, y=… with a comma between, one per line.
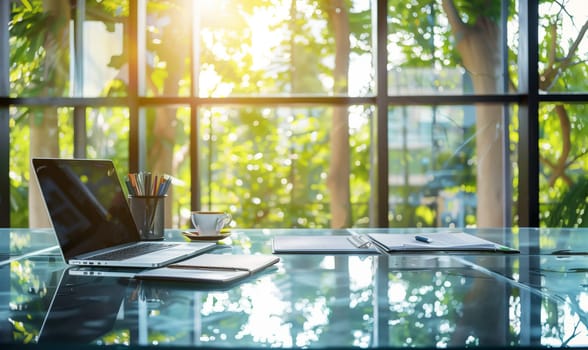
x=472, y=10
x=26, y=50
x=414, y=27
x=572, y=209
x=562, y=70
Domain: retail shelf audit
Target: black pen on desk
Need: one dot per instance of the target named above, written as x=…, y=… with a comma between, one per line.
x=423, y=239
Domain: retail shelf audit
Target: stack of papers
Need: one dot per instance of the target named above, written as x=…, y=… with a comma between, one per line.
x=374, y=243
x=441, y=241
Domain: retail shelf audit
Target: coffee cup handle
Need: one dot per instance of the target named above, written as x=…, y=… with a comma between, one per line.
x=222, y=221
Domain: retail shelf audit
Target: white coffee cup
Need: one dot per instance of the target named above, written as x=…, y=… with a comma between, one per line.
x=209, y=223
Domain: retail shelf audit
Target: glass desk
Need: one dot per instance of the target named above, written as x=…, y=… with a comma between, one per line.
x=533, y=299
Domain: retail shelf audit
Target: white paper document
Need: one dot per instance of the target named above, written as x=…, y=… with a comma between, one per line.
x=440, y=241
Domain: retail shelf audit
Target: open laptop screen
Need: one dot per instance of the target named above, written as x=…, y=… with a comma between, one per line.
x=86, y=204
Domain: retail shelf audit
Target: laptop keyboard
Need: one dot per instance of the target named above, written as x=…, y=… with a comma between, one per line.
x=133, y=251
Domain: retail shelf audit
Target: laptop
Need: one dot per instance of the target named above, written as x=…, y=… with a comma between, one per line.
x=92, y=220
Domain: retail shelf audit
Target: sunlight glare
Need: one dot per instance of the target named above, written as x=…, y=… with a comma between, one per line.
x=396, y=292
x=266, y=315
x=583, y=301
x=265, y=36
x=360, y=271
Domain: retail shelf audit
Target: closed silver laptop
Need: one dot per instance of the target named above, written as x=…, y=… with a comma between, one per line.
x=92, y=220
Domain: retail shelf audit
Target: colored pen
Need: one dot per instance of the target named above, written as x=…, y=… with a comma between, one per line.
x=422, y=239
x=147, y=184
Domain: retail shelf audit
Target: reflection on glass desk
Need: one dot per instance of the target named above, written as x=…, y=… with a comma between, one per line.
x=538, y=298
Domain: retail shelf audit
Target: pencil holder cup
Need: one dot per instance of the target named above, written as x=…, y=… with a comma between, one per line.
x=149, y=215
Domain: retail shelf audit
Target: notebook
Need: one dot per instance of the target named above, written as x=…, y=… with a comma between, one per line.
x=313, y=244
x=211, y=268
x=92, y=220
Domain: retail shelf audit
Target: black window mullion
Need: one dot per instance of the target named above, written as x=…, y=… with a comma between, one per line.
x=80, y=135
x=133, y=92
x=4, y=116
x=195, y=189
x=79, y=113
x=506, y=119
x=528, y=162
x=528, y=205
x=380, y=191
x=80, y=17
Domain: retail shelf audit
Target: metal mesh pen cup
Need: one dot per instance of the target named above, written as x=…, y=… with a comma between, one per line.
x=149, y=215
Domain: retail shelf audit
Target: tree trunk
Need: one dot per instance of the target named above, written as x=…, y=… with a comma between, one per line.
x=478, y=46
x=161, y=153
x=339, y=170
x=43, y=122
x=174, y=52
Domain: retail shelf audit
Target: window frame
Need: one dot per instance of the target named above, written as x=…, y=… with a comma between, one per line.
x=527, y=98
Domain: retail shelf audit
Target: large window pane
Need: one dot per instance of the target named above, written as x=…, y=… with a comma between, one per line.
x=105, y=65
x=44, y=40
x=430, y=52
x=564, y=163
x=35, y=132
x=40, y=49
x=19, y=168
x=49, y=132
x=165, y=145
x=446, y=167
x=165, y=54
x=283, y=48
x=563, y=48
x=107, y=136
x=270, y=167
